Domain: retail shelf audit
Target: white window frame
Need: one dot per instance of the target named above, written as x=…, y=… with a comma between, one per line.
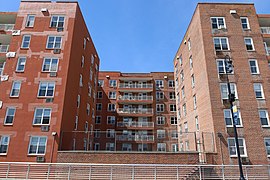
x=256, y=66
x=266, y=116
x=228, y=112
x=160, y=120
x=54, y=42
x=38, y=143
x=267, y=146
x=194, y=102
x=223, y=67
x=172, y=107
x=57, y=22
x=13, y=115
x=172, y=95
x=247, y=23
x=221, y=48
x=160, y=107
x=110, y=109
x=42, y=116
x=96, y=147
x=4, y=141
x=171, y=84
x=159, y=83
x=173, y=120
x=51, y=66
x=251, y=41
x=244, y=146
x=111, y=120
x=110, y=133
x=29, y=23
x=112, y=94
x=98, y=120
x=24, y=41
x=13, y=90
x=98, y=106
x=225, y=90
x=192, y=81
x=88, y=109
x=261, y=90
x=161, y=134
x=113, y=83
x=190, y=62
x=161, y=147
x=2, y=68
x=99, y=95
x=46, y=90
x=110, y=146
x=21, y=62
x=159, y=94
x=218, y=24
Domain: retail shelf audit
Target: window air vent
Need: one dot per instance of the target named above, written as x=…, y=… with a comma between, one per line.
x=45, y=128
x=57, y=51
x=48, y=100
x=53, y=74
x=40, y=159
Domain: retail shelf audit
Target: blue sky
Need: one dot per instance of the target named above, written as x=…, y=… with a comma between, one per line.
x=138, y=35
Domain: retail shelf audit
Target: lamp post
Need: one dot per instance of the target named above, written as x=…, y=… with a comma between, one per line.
x=231, y=97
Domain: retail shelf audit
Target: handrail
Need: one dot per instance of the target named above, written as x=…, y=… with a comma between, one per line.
x=135, y=110
x=135, y=124
x=138, y=98
x=265, y=30
x=7, y=27
x=124, y=85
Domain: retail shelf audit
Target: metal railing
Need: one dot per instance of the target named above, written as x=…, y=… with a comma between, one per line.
x=123, y=85
x=265, y=30
x=135, y=124
x=83, y=171
x=135, y=98
x=7, y=27
x=135, y=110
x=4, y=48
x=135, y=138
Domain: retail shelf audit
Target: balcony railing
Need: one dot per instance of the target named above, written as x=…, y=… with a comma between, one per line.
x=267, y=50
x=135, y=138
x=135, y=124
x=135, y=110
x=7, y=27
x=265, y=30
x=4, y=48
x=123, y=85
x=135, y=98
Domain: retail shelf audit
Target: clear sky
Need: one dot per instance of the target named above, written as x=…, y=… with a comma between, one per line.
x=138, y=35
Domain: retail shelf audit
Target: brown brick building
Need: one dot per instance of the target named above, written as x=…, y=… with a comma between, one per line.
x=217, y=30
x=136, y=112
x=49, y=71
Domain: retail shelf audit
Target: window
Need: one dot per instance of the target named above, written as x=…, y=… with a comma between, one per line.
x=161, y=147
x=2, y=65
x=180, y=129
x=172, y=95
x=221, y=43
x=180, y=59
x=100, y=83
x=190, y=62
x=112, y=83
x=42, y=116
x=89, y=90
x=160, y=95
x=172, y=107
x=258, y=89
x=88, y=109
x=184, y=109
x=21, y=64
x=171, y=83
x=160, y=107
x=46, y=89
x=110, y=133
x=192, y=81
x=96, y=146
x=254, y=69
x=84, y=43
x=30, y=21
x=112, y=95
x=224, y=90
x=189, y=44
x=232, y=147
x=228, y=118
x=81, y=80
x=183, y=92
x=10, y=113
x=76, y=123
x=173, y=120
x=186, y=127
x=159, y=84
x=111, y=120
x=267, y=146
x=126, y=147
x=160, y=120
x=197, y=123
x=15, y=90
x=182, y=77
x=37, y=145
x=4, y=141
x=26, y=41
x=98, y=120
x=218, y=23
x=78, y=101
x=50, y=65
x=92, y=59
x=160, y=134
x=264, y=118
x=175, y=148
x=109, y=146
x=57, y=21
x=82, y=62
x=194, y=102
x=174, y=134
x=244, y=22
x=187, y=145
x=111, y=107
x=99, y=94
x=97, y=133
x=249, y=44
x=54, y=42
x=143, y=147
x=99, y=106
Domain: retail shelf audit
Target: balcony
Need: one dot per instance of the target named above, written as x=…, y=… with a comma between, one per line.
x=135, y=99
x=6, y=27
x=134, y=124
x=141, y=138
x=4, y=48
x=135, y=111
x=135, y=87
x=265, y=30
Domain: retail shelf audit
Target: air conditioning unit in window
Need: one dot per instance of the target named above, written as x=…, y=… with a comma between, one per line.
x=57, y=51
x=45, y=128
x=48, y=100
x=11, y=54
x=4, y=78
x=16, y=32
x=60, y=29
x=53, y=74
x=44, y=10
x=40, y=159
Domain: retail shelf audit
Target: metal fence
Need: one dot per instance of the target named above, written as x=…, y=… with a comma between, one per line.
x=12, y=170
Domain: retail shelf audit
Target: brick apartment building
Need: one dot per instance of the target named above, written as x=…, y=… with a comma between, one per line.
x=217, y=30
x=49, y=72
x=136, y=112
